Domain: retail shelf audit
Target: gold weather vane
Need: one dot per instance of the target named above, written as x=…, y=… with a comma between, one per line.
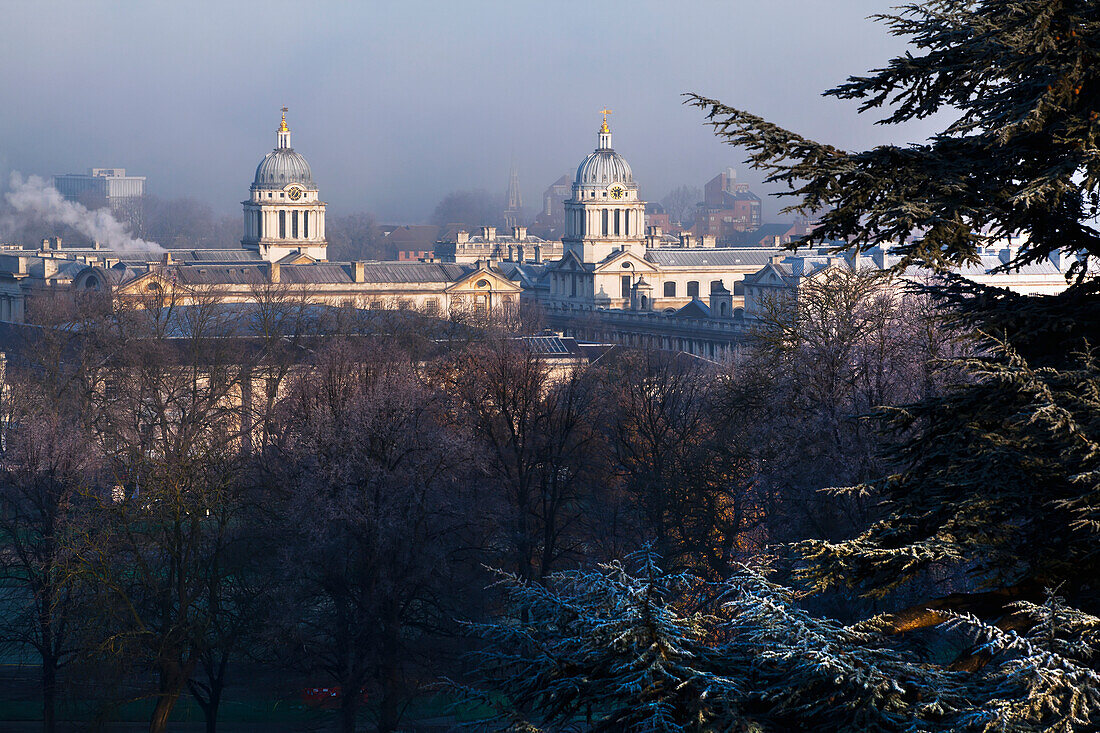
x=282, y=125
x=604, y=127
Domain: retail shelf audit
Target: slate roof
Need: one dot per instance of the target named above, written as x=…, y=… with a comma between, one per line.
x=728, y=197
x=716, y=257
x=324, y=273
x=694, y=309
x=248, y=274
x=415, y=236
x=755, y=237
x=215, y=255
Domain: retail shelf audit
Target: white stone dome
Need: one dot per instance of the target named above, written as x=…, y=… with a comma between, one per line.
x=282, y=167
x=604, y=166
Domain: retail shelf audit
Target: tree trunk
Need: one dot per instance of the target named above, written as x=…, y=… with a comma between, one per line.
x=209, y=703
x=210, y=711
x=349, y=706
x=49, y=696
x=388, y=714
x=171, y=685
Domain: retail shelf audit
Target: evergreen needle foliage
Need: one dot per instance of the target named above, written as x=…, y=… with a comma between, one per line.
x=995, y=493
x=614, y=650
x=1021, y=80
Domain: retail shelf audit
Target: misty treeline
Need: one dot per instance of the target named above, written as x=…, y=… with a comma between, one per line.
x=199, y=496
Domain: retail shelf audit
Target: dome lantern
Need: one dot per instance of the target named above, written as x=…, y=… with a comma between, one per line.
x=283, y=166
x=283, y=133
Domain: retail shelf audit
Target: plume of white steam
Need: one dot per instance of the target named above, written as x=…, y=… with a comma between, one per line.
x=36, y=197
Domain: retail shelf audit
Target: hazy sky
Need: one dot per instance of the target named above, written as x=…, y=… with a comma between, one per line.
x=395, y=104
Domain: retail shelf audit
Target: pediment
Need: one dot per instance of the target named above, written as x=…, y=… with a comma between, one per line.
x=615, y=263
x=497, y=283
x=569, y=262
x=297, y=258
x=149, y=281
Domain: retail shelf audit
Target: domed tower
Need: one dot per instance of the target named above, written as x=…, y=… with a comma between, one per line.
x=283, y=214
x=605, y=214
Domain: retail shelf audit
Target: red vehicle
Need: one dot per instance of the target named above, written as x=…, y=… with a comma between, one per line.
x=326, y=698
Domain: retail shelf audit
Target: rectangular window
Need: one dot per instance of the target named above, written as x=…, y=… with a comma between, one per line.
x=670, y=290
x=626, y=222
x=294, y=225
x=282, y=225
x=604, y=217
x=259, y=225
x=626, y=286
x=305, y=225
x=616, y=222
x=693, y=289
x=573, y=288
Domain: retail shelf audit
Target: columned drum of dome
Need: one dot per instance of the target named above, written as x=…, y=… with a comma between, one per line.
x=605, y=214
x=283, y=215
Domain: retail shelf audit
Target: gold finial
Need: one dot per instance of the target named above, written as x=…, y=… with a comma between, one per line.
x=282, y=125
x=604, y=127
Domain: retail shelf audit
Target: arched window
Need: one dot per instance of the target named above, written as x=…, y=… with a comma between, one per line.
x=693, y=289
x=670, y=290
x=739, y=287
x=92, y=283
x=716, y=286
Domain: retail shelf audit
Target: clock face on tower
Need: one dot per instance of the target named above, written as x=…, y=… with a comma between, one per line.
x=294, y=193
x=617, y=192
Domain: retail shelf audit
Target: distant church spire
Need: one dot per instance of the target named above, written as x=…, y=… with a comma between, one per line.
x=283, y=132
x=514, y=210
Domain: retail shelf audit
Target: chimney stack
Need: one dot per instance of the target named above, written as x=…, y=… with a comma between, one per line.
x=519, y=234
x=359, y=273
x=273, y=272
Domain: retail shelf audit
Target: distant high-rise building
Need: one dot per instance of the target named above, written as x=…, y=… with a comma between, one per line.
x=107, y=187
x=513, y=212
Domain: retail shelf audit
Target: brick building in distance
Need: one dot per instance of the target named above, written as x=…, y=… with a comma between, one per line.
x=727, y=207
